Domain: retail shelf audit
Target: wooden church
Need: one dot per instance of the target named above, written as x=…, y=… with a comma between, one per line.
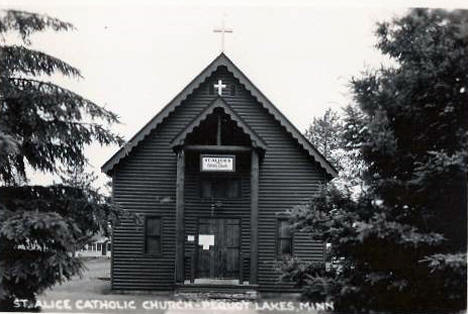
x=210, y=177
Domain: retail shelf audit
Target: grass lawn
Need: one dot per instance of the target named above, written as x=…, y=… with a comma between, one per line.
x=88, y=285
x=91, y=293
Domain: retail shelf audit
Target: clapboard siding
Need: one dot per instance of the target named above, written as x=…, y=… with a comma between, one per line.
x=144, y=183
x=196, y=207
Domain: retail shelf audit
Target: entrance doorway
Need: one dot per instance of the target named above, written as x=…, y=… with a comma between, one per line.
x=218, y=248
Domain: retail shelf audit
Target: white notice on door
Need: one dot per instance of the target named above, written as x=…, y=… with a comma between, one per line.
x=206, y=240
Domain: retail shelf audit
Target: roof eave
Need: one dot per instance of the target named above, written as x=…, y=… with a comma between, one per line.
x=222, y=59
x=219, y=102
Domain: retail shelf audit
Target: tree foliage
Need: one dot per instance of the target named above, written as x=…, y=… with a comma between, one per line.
x=325, y=134
x=329, y=134
x=401, y=245
x=45, y=127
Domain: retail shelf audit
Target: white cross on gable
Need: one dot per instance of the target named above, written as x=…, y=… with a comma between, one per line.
x=220, y=87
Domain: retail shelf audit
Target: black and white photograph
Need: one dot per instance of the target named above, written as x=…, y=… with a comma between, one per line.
x=233, y=156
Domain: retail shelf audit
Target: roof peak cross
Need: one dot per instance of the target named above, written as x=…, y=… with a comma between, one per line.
x=223, y=30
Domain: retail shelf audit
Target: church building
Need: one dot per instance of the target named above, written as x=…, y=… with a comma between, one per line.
x=209, y=179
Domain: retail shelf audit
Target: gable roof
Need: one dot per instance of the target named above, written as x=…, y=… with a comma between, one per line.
x=257, y=141
x=221, y=60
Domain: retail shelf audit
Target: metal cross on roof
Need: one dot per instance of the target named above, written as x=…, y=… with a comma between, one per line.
x=220, y=87
x=223, y=30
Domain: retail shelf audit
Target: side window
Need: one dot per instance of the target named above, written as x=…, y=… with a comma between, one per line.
x=153, y=235
x=284, y=243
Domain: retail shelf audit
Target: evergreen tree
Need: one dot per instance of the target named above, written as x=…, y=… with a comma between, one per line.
x=43, y=126
x=325, y=134
x=329, y=134
x=401, y=245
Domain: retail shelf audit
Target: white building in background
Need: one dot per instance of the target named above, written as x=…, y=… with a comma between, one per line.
x=99, y=247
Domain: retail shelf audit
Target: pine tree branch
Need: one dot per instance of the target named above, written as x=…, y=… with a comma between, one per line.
x=18, y=59
x=26, y=87
x=27, y=23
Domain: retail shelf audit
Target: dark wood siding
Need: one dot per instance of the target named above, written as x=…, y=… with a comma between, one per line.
x=197, y=207
x=144, y=183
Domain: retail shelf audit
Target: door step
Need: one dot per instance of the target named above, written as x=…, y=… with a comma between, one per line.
x=216, y=292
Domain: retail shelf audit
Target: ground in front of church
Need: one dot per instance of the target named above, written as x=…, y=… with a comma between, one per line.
x=91, y=294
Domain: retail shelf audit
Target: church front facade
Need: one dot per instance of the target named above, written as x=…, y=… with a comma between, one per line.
x=209, y=179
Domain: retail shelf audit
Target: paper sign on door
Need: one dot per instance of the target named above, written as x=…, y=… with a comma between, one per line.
x=206, y=240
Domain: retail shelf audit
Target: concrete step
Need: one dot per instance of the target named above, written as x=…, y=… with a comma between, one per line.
x=216, y=295
x=217, y=292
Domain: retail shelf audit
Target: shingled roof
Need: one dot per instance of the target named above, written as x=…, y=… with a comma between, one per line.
x=221, y=60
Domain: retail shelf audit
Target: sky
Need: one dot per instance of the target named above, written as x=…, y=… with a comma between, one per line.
x=135, y=56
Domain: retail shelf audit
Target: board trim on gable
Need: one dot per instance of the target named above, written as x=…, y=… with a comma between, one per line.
x=221, y=60
x=219, y=103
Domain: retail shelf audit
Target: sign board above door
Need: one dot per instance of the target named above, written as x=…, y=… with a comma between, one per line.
x=218, y=163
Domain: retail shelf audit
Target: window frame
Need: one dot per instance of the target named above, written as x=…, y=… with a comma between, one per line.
x=278, y=238
x=145, y=236
x=216, y=177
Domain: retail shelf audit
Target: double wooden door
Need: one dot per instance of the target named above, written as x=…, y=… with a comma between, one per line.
x=221, y=259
